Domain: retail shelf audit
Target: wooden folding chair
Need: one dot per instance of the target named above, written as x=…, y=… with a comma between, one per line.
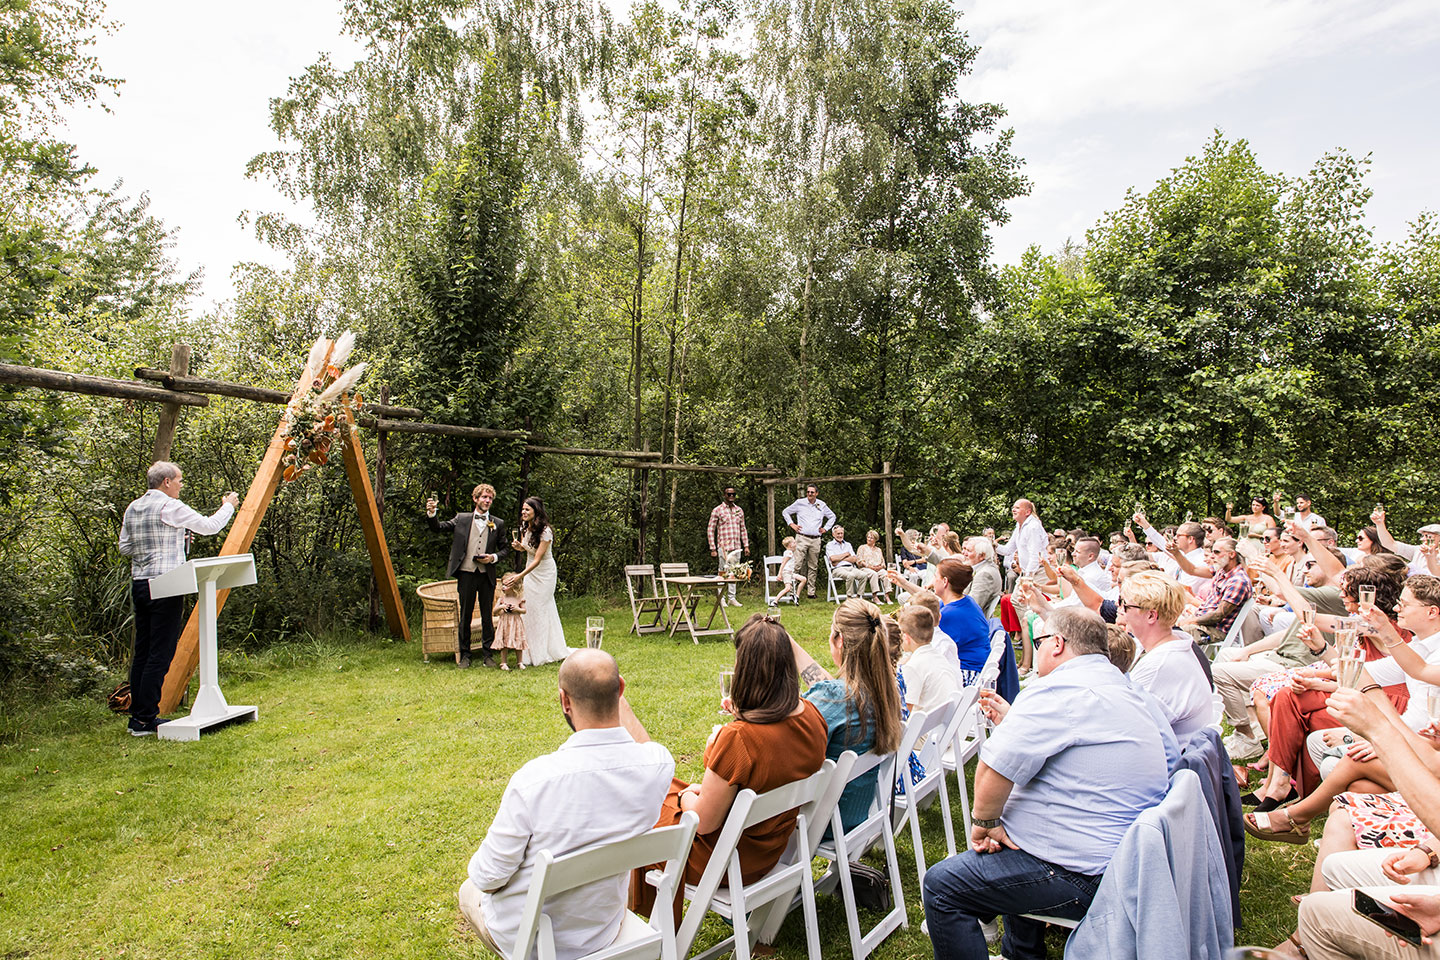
x=674, y=601
x=647, y=605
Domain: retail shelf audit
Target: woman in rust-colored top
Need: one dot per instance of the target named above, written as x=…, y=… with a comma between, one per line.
x=776, y=738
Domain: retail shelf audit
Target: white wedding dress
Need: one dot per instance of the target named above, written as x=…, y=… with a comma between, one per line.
x=544, y=636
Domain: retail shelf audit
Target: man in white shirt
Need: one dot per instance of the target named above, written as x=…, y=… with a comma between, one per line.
x=154, y=536
x=1429, y=537
x=1189, y=542
x=809, y=517
x=1087, y=559
x=600, y=786
x=1304, y=515
x=842, y=559
x=1027, y=546
x=1170, y=667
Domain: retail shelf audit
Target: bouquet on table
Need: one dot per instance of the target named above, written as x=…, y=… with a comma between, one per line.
x=313, y=420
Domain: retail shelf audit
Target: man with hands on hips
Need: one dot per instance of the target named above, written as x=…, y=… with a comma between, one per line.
x=1076, y=759
x=809, y=517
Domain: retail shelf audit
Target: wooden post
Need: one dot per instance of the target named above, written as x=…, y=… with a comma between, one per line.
x=518, y=557
x=889, y=524
x=644, y=504
x=380, y=565
x=770, y=515
x=242, y=534
x=381, y=437
x=170, y=412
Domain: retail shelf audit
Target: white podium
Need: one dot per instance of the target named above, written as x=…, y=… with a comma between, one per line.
x=205, y=577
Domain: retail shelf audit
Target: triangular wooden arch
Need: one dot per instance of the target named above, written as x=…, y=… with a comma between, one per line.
x=252, y=512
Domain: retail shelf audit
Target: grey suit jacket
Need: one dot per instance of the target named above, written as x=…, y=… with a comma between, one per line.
x=499, y=542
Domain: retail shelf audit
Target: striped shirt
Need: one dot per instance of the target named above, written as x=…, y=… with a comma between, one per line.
x=153, y=532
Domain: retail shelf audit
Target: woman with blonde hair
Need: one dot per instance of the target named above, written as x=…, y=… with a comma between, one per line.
x=861, y=706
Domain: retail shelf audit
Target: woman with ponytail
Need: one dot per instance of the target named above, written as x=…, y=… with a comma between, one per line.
x=861, y=706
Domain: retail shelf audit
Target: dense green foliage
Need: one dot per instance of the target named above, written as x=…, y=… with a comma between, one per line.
x=740, y=234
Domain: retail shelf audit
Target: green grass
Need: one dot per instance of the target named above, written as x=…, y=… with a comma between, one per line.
x=340, y=823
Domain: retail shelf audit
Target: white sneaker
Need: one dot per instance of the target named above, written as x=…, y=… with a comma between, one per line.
x=991, y=931
x=1241, y=747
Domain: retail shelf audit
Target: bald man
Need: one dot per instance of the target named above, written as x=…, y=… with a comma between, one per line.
x=1027, y=546
x=600, y=786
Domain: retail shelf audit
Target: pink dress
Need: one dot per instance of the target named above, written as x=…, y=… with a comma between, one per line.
x=509, y=617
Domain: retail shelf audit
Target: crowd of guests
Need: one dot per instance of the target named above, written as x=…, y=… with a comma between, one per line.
x=1326, y=660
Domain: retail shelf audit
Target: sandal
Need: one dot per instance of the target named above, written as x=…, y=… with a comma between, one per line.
x=1291, y=947
x=1259, y=825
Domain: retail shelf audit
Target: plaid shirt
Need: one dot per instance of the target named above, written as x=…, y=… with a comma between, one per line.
x=153, y=532
x=726, y=530
x=1233, y=587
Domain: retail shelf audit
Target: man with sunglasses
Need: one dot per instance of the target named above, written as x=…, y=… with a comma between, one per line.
x=1069, y=767
x=727, y=533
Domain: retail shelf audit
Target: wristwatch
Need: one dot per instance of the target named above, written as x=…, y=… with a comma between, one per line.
x=992, y=824
x=1434, y=858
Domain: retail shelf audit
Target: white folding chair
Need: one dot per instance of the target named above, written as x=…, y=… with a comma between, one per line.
x=847, y=847
x=646, y=603
x=832, y=593
x=1235, y=636
x=738, y=901
x=637, y=940
x=963, y=740
x=776, y=562
x=920, y=731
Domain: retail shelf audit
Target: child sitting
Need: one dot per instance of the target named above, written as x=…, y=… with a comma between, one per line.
x=509, y=616
x=793, y=581
x=931, y=678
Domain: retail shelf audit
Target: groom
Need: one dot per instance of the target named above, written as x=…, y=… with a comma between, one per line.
x=480, y=544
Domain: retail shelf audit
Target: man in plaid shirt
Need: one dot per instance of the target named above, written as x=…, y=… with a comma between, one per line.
x=153, y=535
x=1230, y=588
x=726, y=532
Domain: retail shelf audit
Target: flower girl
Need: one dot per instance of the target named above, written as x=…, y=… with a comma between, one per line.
x=509, y=615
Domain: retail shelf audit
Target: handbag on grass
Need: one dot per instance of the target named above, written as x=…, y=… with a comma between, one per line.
x=872, y=888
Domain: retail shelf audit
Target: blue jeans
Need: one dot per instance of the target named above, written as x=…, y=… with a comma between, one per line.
x=965, y=889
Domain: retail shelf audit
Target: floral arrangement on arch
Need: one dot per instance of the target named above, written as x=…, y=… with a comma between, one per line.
x=313, y=420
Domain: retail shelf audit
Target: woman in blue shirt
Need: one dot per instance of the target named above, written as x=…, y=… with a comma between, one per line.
x=861, y=707
x=961, y=618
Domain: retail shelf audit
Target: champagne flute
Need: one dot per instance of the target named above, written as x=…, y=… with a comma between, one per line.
x=594, y=632
x=726, y=678
x=1307, y=616
x=1344, y=640
x=1365, y=594
x=1347, y=671
x=1432, y=704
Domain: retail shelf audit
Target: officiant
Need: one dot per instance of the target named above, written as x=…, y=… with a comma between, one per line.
x=479, y=545
x=726, y=532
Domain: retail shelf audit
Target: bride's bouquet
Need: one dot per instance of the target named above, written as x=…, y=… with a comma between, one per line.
x=313, y=420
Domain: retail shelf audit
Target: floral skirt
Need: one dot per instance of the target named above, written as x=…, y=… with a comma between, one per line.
x=1382, y=820
x=1270, y=684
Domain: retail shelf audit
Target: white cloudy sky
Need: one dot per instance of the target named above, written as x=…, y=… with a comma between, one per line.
x=1103, y=95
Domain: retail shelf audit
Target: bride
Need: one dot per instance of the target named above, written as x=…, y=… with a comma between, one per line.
x=544, y=637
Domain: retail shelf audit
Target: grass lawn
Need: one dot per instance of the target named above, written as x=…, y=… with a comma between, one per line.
x=340, y=823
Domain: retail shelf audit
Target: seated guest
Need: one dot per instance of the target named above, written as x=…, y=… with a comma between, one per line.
x=842, y=559
x=1087, y=563
x=1231, y=588
x=960, y=617
x=1170, y=667
x=861, y=708
x=600, y=767
x=912, y=564
x=1429, y=537
x=1064, y=774
x=986, y=581
x=870, y=563
x=1329, y=927
x=1120, y=648
x=932, y=674
x=776, y=738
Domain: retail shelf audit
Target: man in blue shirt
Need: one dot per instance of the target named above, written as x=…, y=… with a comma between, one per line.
x=1076, y=759
x=809, y=517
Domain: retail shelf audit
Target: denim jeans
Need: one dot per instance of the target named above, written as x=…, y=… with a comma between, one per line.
x=965, y=889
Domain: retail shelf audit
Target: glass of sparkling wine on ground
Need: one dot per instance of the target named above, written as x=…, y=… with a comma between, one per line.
x=594, y=632
x=1347, y=671
x=726, y=676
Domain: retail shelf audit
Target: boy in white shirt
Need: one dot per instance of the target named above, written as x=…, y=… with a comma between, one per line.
x=931, y=678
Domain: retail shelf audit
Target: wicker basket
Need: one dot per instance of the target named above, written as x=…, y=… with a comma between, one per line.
x=441, y=600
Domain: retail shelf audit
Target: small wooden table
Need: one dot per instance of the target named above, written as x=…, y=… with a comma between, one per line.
x=688, y=593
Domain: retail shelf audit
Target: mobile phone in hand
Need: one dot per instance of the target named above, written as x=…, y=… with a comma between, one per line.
x=1388, y=918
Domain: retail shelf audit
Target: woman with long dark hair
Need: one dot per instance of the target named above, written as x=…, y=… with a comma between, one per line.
x=544, y=636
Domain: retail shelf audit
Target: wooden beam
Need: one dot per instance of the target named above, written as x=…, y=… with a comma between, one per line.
x=699, y=468
x=95, y=386
x=443, y=429
x=242, y=534
x=594, y=452
x=770, y=515
x=170, y=413
x=224, y=388
x=855, y=476
x=380, y=564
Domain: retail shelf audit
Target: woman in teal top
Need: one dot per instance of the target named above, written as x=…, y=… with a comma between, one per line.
x=861, y=707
